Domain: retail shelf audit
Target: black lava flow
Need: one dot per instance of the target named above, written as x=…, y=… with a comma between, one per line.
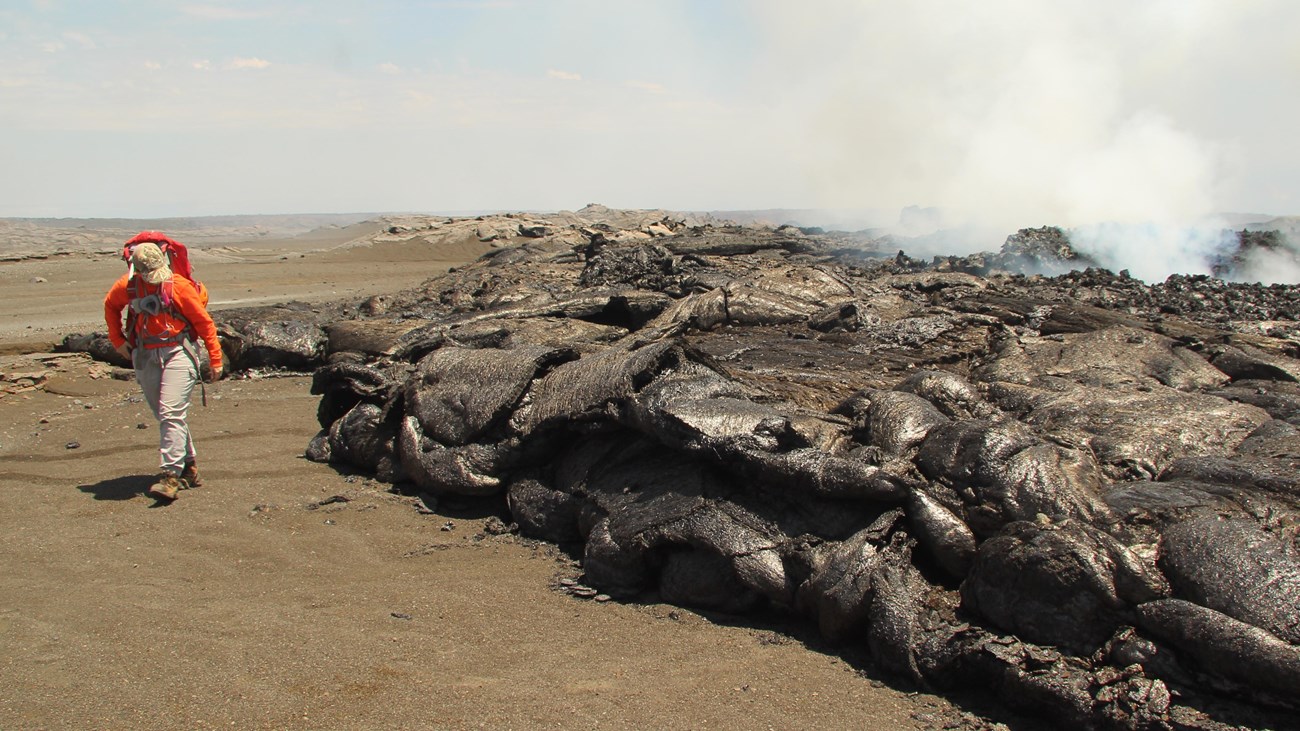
x=1071, y=489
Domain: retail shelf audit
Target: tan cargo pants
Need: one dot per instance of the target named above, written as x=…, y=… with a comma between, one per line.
x=167, y=376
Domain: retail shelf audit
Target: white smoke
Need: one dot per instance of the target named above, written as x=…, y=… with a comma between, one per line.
x=1280, y=266
x=1151, y=252
x=1009, y=114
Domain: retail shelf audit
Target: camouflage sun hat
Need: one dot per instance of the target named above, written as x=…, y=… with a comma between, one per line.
x=148, y=260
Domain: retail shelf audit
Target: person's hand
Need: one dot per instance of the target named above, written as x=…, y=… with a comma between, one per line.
x=124, y=351
x=211, y=375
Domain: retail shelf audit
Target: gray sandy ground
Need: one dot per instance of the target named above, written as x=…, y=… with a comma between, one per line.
x=248, y=604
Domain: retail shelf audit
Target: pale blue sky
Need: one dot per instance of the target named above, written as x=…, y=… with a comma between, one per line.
x=1016, y=112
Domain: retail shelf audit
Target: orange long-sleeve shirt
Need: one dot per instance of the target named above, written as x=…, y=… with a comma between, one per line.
x=185, y=298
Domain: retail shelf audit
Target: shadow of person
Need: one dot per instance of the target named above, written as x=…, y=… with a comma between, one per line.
x=119, y=488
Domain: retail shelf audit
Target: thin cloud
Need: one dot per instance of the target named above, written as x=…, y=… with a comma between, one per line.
x=203, y=65
x=472, y=4
x=242, y=64
x=217, y=12
x=81, y=39
x=419, y=98
x=53, y=46
x=563, y=75
x=389, y=68
x=650, y=86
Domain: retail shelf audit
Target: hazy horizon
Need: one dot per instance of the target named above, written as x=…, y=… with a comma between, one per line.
x=1006, y=114
x=877, y=218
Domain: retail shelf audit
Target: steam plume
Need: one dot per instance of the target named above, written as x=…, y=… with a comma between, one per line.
x=1011, y=114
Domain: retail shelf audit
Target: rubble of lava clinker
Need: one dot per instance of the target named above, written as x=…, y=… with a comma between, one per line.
x=1078, y=493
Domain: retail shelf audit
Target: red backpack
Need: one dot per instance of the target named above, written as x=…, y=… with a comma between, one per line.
x=178, y=257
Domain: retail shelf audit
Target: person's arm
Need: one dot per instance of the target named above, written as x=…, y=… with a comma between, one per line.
x=114, y=302
x=187, y=300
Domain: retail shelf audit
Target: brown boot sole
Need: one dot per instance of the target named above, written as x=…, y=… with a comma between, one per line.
x=163, y=492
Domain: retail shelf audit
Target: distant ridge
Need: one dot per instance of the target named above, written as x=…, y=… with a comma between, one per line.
x=307, y=221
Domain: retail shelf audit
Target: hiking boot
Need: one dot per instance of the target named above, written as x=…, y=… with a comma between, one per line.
x=166, y=487
x=190, y=475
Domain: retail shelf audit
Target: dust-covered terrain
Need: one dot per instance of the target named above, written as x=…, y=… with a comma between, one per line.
x=286, y=594
x=1073, y=493
x=1076, y=492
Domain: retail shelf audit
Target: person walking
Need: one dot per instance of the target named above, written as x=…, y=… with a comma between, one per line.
x=164, y=315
